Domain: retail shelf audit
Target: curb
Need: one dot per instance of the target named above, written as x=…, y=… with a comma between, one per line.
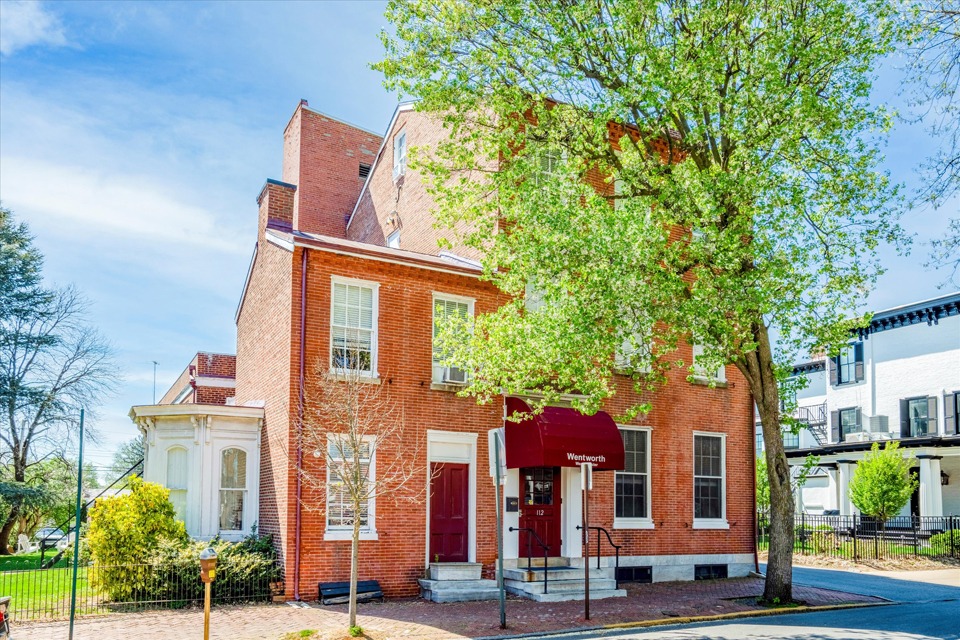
x=662, y=622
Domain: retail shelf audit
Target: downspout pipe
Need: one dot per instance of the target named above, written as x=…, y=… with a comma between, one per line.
x=297, y=517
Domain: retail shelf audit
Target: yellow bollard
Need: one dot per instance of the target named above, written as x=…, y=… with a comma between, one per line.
x=208, y=573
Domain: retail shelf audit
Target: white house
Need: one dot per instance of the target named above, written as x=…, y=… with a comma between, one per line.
x=899, y=379
x=209, y=457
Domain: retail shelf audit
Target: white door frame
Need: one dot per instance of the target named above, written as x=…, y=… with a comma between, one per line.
x=435, y=440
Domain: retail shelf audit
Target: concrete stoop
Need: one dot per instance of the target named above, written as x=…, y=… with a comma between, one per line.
x=564, y=582
x=457, y=582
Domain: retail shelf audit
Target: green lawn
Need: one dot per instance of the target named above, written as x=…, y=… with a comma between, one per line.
x=42, y=594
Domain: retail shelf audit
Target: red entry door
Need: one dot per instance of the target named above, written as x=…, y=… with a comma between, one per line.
x=449, y=517
x=540, y=510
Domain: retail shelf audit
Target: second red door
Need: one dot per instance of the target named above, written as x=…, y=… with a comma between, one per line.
x=449, y=517
x=540, y=510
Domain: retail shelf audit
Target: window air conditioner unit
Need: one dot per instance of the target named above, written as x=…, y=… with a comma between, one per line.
x=454, y=375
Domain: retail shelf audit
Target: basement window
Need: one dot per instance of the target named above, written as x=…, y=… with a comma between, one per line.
x=709, y=571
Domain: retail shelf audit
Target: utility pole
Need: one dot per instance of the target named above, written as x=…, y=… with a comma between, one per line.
x=76, y=531
x=155, y=363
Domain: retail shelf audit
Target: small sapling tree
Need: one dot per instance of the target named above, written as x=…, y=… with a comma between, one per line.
x=882, y=483
x=355, y=427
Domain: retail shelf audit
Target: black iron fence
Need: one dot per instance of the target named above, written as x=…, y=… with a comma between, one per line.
x=864, y=538
x=44, y=594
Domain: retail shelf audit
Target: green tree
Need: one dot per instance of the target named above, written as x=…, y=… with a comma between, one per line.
x=882, y=483
x=746, y=123
x=128, y=530
x=51, y=363
x=127, y=455
x=936, y=70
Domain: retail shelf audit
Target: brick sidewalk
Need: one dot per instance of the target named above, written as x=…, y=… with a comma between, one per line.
x=416, y=619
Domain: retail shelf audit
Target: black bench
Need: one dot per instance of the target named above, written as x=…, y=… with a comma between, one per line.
x=339, y=592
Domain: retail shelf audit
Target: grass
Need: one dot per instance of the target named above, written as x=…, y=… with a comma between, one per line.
x=24, y=561
x=43, y=593
x=297, y=635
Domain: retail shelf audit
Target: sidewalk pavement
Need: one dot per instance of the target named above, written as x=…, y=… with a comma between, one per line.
x=408, y=619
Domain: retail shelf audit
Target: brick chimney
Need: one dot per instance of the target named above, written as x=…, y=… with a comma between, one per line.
x=322, y=157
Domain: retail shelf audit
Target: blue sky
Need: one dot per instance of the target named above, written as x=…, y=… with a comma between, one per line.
x=135, y=137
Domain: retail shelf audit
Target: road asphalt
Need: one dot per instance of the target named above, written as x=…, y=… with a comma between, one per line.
x=928, y=607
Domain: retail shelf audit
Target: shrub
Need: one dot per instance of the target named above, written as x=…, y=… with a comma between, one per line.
x=125, y=532
x=940, y=542
x=244, y=570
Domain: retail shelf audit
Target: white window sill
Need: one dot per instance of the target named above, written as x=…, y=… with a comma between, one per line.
x=708, y=382
x=363, y=378
x=718, y=523
x=447, y=386
x=633, y=523
x=348, y=535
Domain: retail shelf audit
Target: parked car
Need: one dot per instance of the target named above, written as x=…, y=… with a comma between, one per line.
x=48, y=537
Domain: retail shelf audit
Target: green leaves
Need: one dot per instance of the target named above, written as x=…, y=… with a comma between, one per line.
x=882, y=484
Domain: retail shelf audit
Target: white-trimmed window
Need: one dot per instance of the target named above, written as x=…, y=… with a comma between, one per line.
x=532, y=298
x=709, y=481
x=177, y=472
x=448, y=306
x=699, y=371
x=634, y=353
x=233, y=488
x=632, y=485
x=353, y=327
x=340, y=509
x=393, y=240
x=400, y=154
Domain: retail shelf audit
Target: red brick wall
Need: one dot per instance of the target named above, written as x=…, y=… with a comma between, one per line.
x=264, y=363
x=218, y=365
x=405, y=324
x=212, y=395
x=407, y=196
x=322, y=157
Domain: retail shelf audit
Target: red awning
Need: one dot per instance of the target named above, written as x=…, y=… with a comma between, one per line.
x=560, y=437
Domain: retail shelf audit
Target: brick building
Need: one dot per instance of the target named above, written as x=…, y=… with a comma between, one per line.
x=346, y=268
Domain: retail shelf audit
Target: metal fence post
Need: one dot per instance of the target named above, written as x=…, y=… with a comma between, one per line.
x=854, y=531
x=953, y=535
x=916, y=535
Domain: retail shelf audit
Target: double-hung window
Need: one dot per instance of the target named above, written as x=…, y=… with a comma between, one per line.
x=353, y=327
x=918, y=417
x=847, y=367
x=447, y=308
x=709, y=491
x=844, y=422
x=349, y=474
x=634, y=353
x=701, y=372
x=951, y=412
x=632, y=485
x=233, y=488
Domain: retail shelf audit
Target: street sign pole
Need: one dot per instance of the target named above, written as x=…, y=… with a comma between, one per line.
x=76, y=531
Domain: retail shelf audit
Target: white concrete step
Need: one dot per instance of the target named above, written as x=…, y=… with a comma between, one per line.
x=559, y=586
x=556, y=573
x=560, y=596
x=458, y=590
x=455, y=570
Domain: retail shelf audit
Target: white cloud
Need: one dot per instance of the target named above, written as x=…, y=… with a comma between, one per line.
x=24, y=23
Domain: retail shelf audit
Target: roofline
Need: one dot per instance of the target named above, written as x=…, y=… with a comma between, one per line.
x=246, y=282
x=840, y=448
x=307, y=106
x=401, y=108
x=166, y=410
x=381, y=254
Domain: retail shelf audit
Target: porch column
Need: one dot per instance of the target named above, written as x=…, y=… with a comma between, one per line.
x=931, y=493
x=844, y=475
x=834, y=478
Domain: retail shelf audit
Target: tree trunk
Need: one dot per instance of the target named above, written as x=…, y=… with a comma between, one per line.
x=758, y=367
x=354, y=570
x=19, y=475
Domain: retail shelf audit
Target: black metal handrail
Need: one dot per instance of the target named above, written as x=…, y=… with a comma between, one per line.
x=545, y=548
x=616, y=548
x=83, y=512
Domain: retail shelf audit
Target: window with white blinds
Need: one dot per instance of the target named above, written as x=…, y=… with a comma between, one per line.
x=445, y=307
x=353, y=328
x=233, y=488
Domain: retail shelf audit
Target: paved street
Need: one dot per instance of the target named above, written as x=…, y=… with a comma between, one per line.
x=930, y=609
